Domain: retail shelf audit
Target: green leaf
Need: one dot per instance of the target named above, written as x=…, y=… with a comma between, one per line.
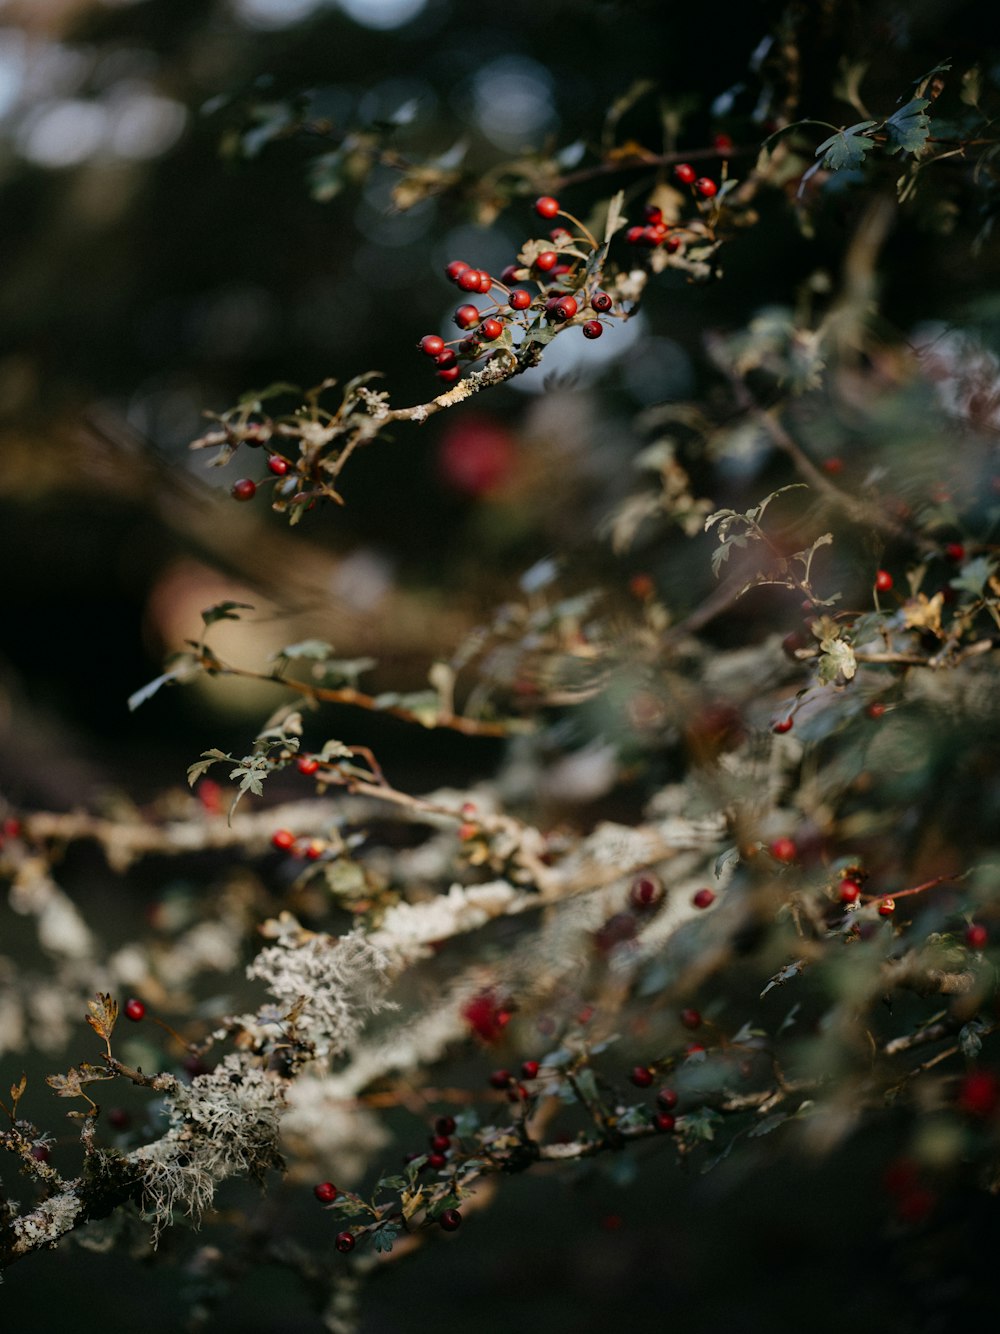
x=837, y=659
x=907, y=129
x=384, y=1237
x=973, y=576
x=202, y=766
x=186, y=666
x=255, y=397
x=224, y=611
x=846, y=148
x=306, y=648
x=768, y=1124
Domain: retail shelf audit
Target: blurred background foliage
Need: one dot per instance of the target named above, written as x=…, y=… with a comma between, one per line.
x=186, y=213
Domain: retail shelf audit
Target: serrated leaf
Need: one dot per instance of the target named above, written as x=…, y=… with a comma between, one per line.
x=202, y=766
x=836, y=659
x=846, y=148
x=224, y=611
x=103, y=1015
x=384, y=1238
x=783, y=975
x=907, y=129
x=973, y=576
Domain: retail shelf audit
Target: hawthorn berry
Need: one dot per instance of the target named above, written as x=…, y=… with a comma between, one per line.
x=490, y=330
x=849, y=891
x=704, y=898
x=307, y=764
x=875, y=710
x=672, y=244
x=40, y=1153
x=546, y=260
x=499, y=1079
x=592, y=329
x=445, y=1125
x=601, y=302
x=485, y=282
x=635, y=235
x=446, y=358
x=455, y=269
x=344, y=1242
x=559, y=234
x=652, y=214
x=432, y=345
x=664, y=1122
x=783, y=850
x=954, y=551
x=883, y=581
x=277, y=465
x=283, y=840
x=784, y=726
x=691, y=1018
x=976, y=936
x=565, y=308
x=685, y=173
x=135, y=1010
x=244, y=489
x=519, y=299
x=450, y=1220
x=326, y=1192
x=529, y=1069
x=833, y=465
x=510, y=273
x=706, y=187
x=641, y=1076
x=467, y=316
x=646, y=893
x=449, y=374
x=440, y=1143
x=667, y=1099
x=469, y=347
x=468, y=280
x=435, y=1161
x=979, y=1093
x=887, y=906
x=118, y=1118
x=546, y=206
x=517, y=1094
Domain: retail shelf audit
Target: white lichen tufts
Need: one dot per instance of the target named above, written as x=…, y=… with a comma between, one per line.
x=222, y=1124
x=45, y=1224
x=332, y=984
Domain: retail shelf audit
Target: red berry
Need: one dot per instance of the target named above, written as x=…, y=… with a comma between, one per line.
x=449, y=375
x=517, y=1094
x=546, y=206
x=976, y=936
x=955, y=551
x=529, y=1070
x=722, y=143
x=445, y=1125
x=490, y=330
x=653, y=214
x=450, y=1220
x=559, y=234
x=326, y=1192
x=277, y=465
x=704, y=898
x=672, y=244
x=315, y=849
x=435, y=1161
x=883, y=581
x=849, y=891
x=641, y=1076
x=887, y=906
x=499, y=1079
x=646, y=893
x=664, y=1122
x=345, y=1242
x=691, y=1018
x=979, y=1093
x=601, y=302
x=693, y=1049
x=135, y=1010
x=432, y=345
x=244, y=489
x=509, y=274
x=706, y=187
x=440, y=1143
x=307, y=764
x=833, y=465
x=546, y=260
x=468, y=280
x=446, y=358
x=283, y=840
x=455, y=269
x=635, y=235
x=519, y=299
x=469, y=347
x=875, y=710
x=667, y=1099
x=467, y=316
x=118, y=1118
x=685, y=173
x=593, y=329
x=485, y=282
x=783, y=850
x=565, y=308
x=784, y=726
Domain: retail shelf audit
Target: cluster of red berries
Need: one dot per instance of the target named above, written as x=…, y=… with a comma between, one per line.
x=246, y=488
x=485, y=327
x=654, y=231
x=310, y=848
